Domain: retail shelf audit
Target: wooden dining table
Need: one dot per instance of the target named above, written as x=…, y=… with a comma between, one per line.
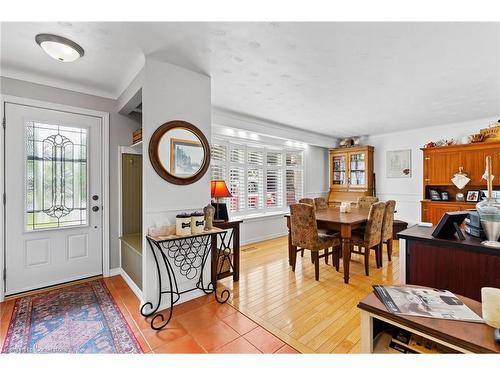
x=344, y=222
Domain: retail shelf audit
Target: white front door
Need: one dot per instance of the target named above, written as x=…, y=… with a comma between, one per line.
x=53, y=222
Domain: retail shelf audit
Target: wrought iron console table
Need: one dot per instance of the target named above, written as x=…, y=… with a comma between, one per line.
x=189, y=255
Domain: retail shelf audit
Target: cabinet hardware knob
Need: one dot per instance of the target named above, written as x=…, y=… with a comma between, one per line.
x=427, y=158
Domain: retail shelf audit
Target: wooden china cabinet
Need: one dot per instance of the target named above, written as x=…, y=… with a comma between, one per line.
x=351, y=173
x=440, y=166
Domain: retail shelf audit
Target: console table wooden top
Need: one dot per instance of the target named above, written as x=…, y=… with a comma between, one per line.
x=474, y=337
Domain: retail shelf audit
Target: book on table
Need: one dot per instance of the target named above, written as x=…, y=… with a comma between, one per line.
x=425, y=302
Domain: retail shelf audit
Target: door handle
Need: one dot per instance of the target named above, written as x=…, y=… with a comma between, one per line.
x=95, y=208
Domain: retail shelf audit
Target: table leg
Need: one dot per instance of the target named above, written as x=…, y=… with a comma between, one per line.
x=345, y=234
x=236, y=253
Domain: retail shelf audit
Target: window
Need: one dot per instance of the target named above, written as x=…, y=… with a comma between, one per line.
x=56, y=176
x=261, y=179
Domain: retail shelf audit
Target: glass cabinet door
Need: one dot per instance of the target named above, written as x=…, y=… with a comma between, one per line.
x=357, y=169
x=339, y=172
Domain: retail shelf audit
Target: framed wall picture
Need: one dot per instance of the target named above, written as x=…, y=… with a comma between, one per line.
x=398, y=164
x=186, y=156
x=472, y=196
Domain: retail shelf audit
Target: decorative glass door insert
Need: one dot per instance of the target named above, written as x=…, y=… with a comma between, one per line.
x=358, y=170
x=339, y=170
x=56, y=176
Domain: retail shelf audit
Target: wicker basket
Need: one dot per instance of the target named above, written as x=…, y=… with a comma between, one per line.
x=492, y=133
x=223, y=268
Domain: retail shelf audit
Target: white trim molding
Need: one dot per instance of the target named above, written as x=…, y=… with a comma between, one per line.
x=226, y=118
x=104, y=116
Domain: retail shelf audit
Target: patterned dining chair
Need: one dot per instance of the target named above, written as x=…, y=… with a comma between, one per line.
x=308, y=201
x=320, y=203
x=387, y=229
x=366, y=201
x=370, y=237
x=305, y=235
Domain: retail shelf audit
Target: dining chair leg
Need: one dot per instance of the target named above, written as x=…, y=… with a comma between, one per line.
x=367, y=261
x=315, y=255
x=389, y=249
x=326, y=255
x=337, y=254
x=294, y=257
x=379, y=254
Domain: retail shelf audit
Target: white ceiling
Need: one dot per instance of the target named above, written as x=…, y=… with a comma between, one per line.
x=332, y=78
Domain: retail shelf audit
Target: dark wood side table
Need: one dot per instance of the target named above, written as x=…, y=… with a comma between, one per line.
x=228, y=245
x=463, y=337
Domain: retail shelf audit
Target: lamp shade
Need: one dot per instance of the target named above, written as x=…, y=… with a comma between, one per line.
x=219, y=189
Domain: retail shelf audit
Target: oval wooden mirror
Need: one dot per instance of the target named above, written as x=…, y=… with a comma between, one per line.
x=179, y=152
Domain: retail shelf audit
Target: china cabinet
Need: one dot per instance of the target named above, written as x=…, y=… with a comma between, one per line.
x=351, y=173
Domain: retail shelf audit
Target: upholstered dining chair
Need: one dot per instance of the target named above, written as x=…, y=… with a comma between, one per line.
x=366, y=201
x=370, y=237
x=305, y=235
x=308, y=201
x=387, y=229
x=320, y=203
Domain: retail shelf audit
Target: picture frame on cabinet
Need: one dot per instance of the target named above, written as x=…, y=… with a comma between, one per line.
x=435, y=195
x=473, y=196
x=445, y=196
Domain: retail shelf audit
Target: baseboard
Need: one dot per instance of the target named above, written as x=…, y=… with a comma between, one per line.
x=128, y=280
x=115, y=271
x=263, y=238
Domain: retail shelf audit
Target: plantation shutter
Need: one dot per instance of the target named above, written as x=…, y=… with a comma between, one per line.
x=237, y=178
x=255, y=179
x=218, y=162
x=294, y=177
x=274, y=179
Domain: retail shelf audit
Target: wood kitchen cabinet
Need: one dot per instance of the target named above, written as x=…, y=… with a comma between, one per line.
x=351, y=173
x=432, y=211
x=440, y=166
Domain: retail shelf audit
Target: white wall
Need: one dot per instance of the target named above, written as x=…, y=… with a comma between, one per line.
x=171, y=93
x=120, y=133
x=408, y=191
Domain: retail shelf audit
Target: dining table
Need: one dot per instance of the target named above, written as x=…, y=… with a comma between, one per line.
x=332, y=219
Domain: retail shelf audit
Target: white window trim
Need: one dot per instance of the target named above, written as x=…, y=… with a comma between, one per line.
x=247, y=213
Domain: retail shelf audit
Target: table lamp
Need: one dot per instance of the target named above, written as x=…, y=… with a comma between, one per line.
x=220, y=190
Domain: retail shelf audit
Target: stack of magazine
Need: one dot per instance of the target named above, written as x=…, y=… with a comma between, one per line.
x=426, y=302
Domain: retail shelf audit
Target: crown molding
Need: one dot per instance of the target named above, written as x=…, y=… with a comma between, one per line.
x=13, y=73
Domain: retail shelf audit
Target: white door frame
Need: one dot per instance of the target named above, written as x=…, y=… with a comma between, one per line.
x=104, y=116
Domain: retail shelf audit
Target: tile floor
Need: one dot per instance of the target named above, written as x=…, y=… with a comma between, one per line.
x=198, y=326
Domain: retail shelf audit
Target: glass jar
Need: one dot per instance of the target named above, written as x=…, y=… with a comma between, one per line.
x=489, y=213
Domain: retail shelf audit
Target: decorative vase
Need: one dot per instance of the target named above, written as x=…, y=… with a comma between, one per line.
x=209, y=211
x=489, y=213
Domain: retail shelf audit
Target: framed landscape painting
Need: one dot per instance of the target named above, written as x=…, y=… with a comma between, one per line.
x=399, y=164
x=186, y=157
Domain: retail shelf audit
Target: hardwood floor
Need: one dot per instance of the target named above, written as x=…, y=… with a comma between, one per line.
x=312, y=316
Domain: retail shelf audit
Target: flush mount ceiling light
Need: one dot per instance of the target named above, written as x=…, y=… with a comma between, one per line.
x=59, y=48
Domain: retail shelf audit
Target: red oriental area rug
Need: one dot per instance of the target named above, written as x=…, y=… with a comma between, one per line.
x=81, y=318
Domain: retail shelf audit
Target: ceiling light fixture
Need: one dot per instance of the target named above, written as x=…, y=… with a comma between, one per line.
x=59, y=48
